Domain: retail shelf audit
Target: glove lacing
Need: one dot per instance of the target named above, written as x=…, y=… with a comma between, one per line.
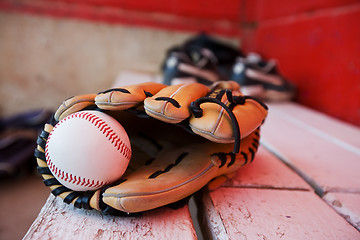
x=233, y=100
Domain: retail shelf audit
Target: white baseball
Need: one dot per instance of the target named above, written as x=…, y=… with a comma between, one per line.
x=87, y=150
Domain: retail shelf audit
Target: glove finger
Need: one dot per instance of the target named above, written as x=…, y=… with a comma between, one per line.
x=74, y=104
x=126, y=97
x=216, y=125
x=171, y=104
x=178, y=173
x=249, y=115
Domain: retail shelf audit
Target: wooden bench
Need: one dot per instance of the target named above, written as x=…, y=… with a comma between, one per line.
x=303, y=184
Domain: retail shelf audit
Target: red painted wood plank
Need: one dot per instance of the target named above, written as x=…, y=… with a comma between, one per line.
x=320, y=160
x=332, y=128
x=347, y=205
x=211, y=224
x=267, y=171
x=273, y=214
x=58, y=220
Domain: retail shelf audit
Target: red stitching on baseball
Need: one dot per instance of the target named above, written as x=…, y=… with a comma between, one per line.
x=94, y=119
x=112, y=137
x=68, y=177
x=117, y=142
x=73, y=178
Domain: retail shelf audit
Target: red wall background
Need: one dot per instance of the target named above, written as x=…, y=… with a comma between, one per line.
x=316, y=43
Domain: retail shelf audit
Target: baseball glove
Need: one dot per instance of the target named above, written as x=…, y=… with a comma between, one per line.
x=182, y=137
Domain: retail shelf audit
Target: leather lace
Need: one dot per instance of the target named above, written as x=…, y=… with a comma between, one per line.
x=234, y=100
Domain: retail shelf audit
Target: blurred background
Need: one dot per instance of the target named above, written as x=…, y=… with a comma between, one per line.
x=51, y=50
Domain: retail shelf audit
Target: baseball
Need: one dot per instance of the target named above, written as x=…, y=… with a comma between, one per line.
x=87, y=150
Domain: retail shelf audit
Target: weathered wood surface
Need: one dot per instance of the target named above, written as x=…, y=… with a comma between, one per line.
x=323, y=150
x=319, y=123
x=247, y=213
x=347, y=205
x=323, y=159
x=58, y=220
x=266, y=171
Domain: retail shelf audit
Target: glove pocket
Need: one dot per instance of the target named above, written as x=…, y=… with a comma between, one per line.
x=175, y=174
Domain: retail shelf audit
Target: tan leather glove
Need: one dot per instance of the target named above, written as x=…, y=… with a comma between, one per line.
x=182, y=137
